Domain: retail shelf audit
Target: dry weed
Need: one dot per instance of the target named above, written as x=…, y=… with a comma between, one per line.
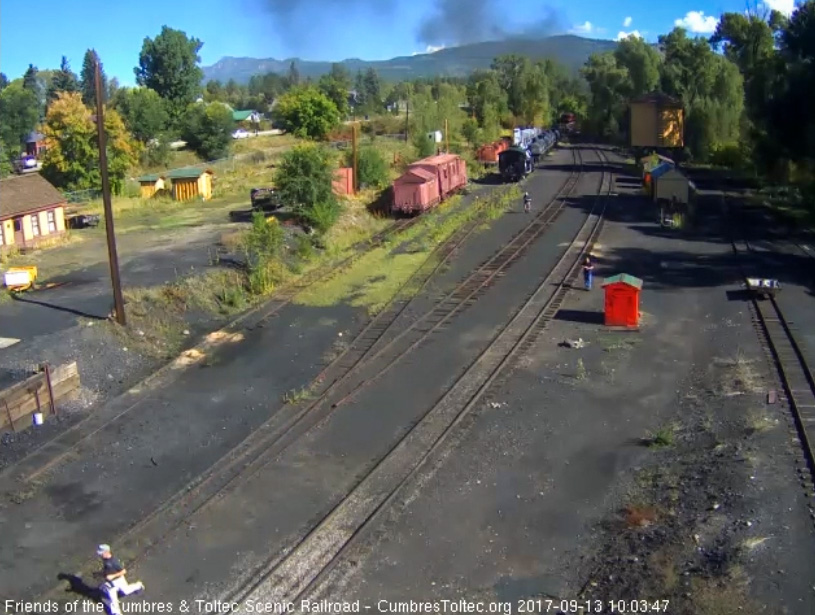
x=740, y=375
x=637, y=515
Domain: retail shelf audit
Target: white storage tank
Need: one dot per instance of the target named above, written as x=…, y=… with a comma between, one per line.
x=435, y=137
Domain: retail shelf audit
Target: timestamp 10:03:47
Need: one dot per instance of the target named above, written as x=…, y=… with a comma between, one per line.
x=568, y=607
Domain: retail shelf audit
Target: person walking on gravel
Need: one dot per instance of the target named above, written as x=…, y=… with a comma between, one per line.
x=527, y=202
x=588, y=271
x=115, y=581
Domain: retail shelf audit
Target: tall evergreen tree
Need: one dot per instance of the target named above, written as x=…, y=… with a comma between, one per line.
x=30, y=82
x=294, y=75
x=88, y=87
x=64, y=80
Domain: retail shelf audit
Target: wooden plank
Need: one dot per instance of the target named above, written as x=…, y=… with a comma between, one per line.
x=19, y=402
x=29, y=405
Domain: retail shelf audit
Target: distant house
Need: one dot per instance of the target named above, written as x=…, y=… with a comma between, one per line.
x=191, y=183
x=35, y=144
x=152, y=185
x=248, y=116
x=31, y=211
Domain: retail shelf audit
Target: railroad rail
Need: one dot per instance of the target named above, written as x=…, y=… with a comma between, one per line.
x=301, y=570
x=80, y=432
x=293, y=421
x=790, y=362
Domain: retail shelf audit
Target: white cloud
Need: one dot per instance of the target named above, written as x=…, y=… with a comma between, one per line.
x=627, y=22
x=621, y=35
x=698, y=22
x=429, y=49
x=583, y=28
x=785, y=7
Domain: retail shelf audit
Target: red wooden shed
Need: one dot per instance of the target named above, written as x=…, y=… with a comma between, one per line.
x=622, y=307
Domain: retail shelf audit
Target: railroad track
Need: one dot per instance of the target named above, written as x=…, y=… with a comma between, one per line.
x=79, y=433
x=790, y=363
x=293, y=421
x=300, y=571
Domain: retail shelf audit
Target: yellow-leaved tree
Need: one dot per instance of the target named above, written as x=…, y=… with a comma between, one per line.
x=71, y=159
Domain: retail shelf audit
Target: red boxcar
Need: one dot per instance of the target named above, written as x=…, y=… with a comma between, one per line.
x=428, y=181
x=416, y=190
x=450, y=169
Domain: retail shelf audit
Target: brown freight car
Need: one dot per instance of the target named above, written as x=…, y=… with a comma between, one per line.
x=428, y=181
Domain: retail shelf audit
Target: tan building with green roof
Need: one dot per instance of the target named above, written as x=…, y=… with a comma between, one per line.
x=190, y=183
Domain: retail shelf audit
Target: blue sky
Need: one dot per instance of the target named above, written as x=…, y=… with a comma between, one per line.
x=314, y=30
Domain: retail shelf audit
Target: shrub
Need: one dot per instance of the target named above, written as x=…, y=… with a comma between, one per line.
x=727, y=155
x=304, y=181
x=371, y=167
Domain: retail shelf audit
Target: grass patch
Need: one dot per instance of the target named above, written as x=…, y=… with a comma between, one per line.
x=5, y=296
x=295, y=396
x=375, y=279
x=614, y=343
x=662, y=437
x=580, y=371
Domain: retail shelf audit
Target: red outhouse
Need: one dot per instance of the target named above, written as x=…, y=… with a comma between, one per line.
x=622, y=300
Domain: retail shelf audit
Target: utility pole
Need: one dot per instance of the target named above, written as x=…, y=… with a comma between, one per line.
x=446, y=137
x=407, y=119
x=118, y=299
x=354, y=146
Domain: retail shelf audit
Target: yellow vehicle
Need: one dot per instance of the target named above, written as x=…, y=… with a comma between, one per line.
x=20, y=279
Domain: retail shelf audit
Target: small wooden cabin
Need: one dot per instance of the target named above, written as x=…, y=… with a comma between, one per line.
x=189, y=184
x=656, y=121
x=151, y=185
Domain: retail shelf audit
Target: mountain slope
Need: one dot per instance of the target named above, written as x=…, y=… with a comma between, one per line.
x=571, y=51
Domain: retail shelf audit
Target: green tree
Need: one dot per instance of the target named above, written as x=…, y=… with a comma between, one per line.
x=266, y=88
x=30, y=81
x=71, y=159
x=19, y=114
x=483, y=89
x=371, y=90
x=608, y=83
x=293, y=78
x=64, y=80
x=304, y=180
x=207, y=129
x=307, y=112
x=214, y=91
x=88, y=79
x=335, y=85
x=642, y=62
x=471, y=131
x=169, y=64
x=144, y=113
x=113, y=87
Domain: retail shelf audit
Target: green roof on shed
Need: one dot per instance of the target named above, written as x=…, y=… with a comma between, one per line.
x=153, y=177
x=623, y=278
x=241, y=116
x=190, y=173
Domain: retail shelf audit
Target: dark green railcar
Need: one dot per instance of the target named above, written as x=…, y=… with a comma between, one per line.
x=514, y=164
